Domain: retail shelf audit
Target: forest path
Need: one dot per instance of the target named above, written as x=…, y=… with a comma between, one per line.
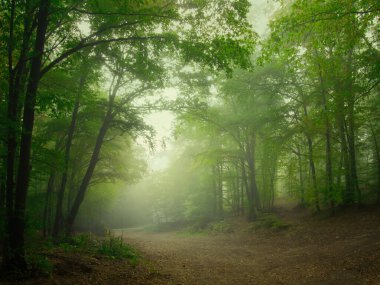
x=340, y=250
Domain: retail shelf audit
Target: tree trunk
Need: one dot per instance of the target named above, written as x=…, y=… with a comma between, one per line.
x=49, y=192
x=328, y=163
x=94, y=159
x=300, y=168
x=17, y=255
x=311, y=161
x=71, y=190
x=58, y=222
x=16, y=75
x=215, y=191
x=87, y=177
x=349, y=191
x=2, y=208
x=272, y=185
x=11, y=140
x=377, y=157
x=312, y=172
x=351, y=149
x=252, y=178
x=351, y=129
x=220, y=210
x=252, y=211
x=242, y=206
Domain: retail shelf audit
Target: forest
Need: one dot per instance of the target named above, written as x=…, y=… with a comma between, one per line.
x=163, y=130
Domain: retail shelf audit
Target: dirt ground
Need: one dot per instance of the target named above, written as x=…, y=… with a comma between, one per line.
x=344, y=249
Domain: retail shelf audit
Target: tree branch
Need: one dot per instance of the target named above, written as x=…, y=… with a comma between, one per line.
x=81, y=46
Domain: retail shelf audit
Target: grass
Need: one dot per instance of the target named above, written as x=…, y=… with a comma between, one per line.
x=115, y=248
x=110, y=246
x=40, y=264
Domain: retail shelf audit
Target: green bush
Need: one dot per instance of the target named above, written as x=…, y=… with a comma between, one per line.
x=270, y=221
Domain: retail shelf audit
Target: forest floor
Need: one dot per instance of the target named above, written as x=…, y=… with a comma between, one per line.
x=304, y=249
x=344, y=249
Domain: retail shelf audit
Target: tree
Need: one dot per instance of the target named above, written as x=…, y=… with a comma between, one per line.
x=48, y=34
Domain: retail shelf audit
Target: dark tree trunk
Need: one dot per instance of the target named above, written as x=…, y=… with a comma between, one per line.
x=71, y=190
x=328, y=164
x=2, y=208
x=220, y=210
x=58, y=222
x=242, y=206
x=252, y=211
x=215, y=191
x=350, y=92
x=2, y=195
x=377, y=157
x=313, y=173
x=300, y=169
x=87, y=177
x=272, y=184
x=349, y=191
x=11, y=140
x=16, y=74
x=94, y=159
x=49, y=192
x=311, y=161
x=252, y=193
x=351, y=149
x=17, y=255
x=252, y=172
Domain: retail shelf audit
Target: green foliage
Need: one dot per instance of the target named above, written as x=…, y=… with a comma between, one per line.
x=109, y=246
x=270, y=221
x=198, y=225
x=115, y=248
x=79, y=243
x=220, y=227
x=39, y=264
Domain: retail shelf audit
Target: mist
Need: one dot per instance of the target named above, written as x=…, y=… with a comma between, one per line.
x=190, y=142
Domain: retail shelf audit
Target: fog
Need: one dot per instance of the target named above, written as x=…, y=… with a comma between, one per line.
x=190, y=142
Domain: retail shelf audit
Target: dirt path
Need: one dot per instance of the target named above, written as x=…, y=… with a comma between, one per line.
x=341, y=250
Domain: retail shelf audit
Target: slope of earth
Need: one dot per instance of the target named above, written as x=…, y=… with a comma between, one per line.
x=84, y=269
x=344, y=249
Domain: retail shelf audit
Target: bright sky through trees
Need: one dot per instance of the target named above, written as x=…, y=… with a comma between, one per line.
x=259, y=16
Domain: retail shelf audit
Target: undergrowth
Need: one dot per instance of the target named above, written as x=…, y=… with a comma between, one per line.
x=110, y=246
x=38, y=264
x=270, y=221
x=220, y=227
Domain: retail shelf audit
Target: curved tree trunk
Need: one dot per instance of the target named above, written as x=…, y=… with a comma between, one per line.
x=94, y=159
x=58, y=221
